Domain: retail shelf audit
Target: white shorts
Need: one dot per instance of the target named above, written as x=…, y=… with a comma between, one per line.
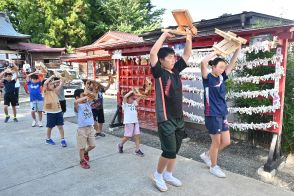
x=132, y=129
x=37, y=106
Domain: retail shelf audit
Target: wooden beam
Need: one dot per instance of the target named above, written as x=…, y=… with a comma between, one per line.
x=137, y=50
x=176, y=32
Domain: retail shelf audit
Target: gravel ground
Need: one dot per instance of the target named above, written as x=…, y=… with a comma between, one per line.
x=241, y=157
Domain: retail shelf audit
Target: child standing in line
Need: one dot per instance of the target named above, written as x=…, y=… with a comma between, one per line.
x=36, y=98
x=53, y=110
x=131, y=122
x=86, y=132
x=62, y=100
x=9, y=91
x=169, y=112
x=216, y=107
x=97, y=104
x=61, y=96
x=17, y=86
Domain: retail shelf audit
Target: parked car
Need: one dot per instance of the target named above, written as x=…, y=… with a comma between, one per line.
x=70, y=87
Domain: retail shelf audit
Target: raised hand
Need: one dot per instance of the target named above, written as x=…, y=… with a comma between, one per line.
x=168, y=35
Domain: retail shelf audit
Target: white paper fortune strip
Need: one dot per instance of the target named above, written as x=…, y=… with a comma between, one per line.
x=256, y=79
x=253, y=94
x=246, y=126
x=193, y=117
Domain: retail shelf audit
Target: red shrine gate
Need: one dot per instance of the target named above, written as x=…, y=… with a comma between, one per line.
x=133, y=71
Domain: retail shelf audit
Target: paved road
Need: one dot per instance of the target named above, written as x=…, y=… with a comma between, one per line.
x=29, y=167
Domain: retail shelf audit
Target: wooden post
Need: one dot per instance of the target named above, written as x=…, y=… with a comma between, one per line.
x=275, y=156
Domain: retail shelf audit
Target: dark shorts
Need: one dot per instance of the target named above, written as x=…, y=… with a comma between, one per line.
x=171, y=133
x=10, y=99
x=216, y=124
x=54, y=119
x=98, y=115
x=63, y=105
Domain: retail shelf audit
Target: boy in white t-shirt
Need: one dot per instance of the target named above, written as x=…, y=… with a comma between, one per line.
x=131, y=122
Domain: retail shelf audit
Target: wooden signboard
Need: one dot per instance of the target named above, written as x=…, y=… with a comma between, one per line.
x=184, y=20
x=230, y=43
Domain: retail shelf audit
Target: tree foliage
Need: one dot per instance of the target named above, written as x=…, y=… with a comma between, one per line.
x=75, y=23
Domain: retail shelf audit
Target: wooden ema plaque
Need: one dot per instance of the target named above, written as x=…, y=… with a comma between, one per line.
x=41, y=68
x=184, y=20
x=146, y=88
x=65, y=76
x=93, y=87
x=230, y=43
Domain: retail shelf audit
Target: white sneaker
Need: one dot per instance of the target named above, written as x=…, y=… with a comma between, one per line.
x=171, y=180
x=34, y=123
x=159, y=183
x=40, y=124
x=216, y=170
x=206, y=159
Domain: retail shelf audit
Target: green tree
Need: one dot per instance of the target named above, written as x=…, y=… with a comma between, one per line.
x=11, y=9
x=75, y=23
x=132, y=15
x=55, y=22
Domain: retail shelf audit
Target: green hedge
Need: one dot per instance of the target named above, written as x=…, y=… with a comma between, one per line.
x=288, y=122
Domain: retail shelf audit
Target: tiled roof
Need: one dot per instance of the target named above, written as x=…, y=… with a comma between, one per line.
x=91, y=57
x=31, y=47
x=208, y=35
x=128, y=37
x=122, y=38
x=7, y=30
x=226, y=22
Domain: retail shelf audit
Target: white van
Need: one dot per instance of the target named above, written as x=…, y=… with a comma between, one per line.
x=69, y=88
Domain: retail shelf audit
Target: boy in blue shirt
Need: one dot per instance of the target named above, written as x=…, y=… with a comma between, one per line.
x=86, y=132
x=36, y=98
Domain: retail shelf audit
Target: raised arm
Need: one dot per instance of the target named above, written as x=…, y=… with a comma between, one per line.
x=188, y=47
x=139, y=97
x=127, y=95
x=44, y=70
x=57, y=89
x=158, y=44
x=232, y=63
x=16, y=76
x=106, y=87
x=3, y=72
x=110, y=81
x=14, y=69
x=77, y=101
x=29, y=75
x=204, y=63
x=47, y=81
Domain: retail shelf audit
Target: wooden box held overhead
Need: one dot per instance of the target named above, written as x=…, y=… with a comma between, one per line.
x=230, y=43
x=184, y=20
x=65, y=76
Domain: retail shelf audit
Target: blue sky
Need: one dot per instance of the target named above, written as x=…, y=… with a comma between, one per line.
x=207, y=9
